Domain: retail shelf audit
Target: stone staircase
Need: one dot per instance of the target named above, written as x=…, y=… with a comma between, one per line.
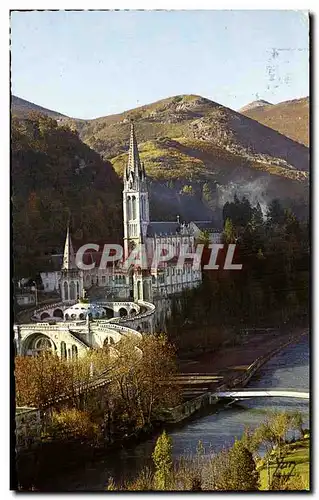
x=195, y=384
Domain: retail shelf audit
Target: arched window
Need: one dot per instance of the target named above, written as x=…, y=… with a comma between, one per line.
x=111, y=340
x=129, y=208
x=66, y=316
x=81, y=316
x=72, y=291
x=138, y=290
x=58, y=313
x=74, y=352
x=73, y=316
x=66, y=291
x=77, y=289
x=43, y=344
x=145, y=290
x=134, y=207
x=63, y=350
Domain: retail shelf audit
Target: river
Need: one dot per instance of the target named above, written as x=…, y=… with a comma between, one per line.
x=288, y=369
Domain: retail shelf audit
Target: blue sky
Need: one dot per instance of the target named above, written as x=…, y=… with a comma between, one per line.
x=90, y=64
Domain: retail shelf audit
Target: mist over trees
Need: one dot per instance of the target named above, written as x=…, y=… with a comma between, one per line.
x=272, y=287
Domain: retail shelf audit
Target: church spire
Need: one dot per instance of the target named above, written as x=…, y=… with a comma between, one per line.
x=134, y=169
x=68, y=256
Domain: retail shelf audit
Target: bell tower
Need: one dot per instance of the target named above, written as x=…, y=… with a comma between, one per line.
x=135, y=199
x=71, y=285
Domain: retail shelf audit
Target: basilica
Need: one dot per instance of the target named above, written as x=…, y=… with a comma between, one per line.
x=100, y=304
x=117, y=282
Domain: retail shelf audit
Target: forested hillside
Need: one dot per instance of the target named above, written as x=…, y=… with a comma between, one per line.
x=198, y=154
x=56, y=176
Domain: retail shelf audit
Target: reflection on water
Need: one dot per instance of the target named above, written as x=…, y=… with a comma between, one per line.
x=289, y=369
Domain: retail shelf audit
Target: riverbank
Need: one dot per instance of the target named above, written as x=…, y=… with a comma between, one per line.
x=216, y=427
x=231, y=361
x=255, y=351
x=58, y=458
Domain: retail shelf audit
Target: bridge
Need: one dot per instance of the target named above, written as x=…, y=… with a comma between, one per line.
x=256, y=393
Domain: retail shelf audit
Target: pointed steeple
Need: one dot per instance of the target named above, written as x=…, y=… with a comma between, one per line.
x=68, y=256
x=134, y=169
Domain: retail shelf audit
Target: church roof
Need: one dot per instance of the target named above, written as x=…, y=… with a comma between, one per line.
x=163, y=228
x=68, y=256
x=134, y=169
x=206, y=226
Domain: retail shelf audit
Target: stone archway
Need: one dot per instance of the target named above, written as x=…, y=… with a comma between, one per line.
x=58, y=313
x=146, y=290
x=122, y=312
x=139, y=290
x=45, y=315
x=66, y=290
x=109, y=313
x=133, y=312
x=38, y=343
x=72, y=291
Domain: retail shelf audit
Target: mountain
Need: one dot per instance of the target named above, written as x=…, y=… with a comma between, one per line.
x=21, y=108
x=197, y=154
x=255, y=104
x=56, y=178
x=290, y=118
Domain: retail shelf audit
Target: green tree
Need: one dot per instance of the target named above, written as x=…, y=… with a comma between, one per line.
x=257, y=218
x=188, y=190
x=204, y=237
x=229, y=232
x=162, y=457
x=242, y=470
x=279, y=425
x=276, y=213
x=297, y=422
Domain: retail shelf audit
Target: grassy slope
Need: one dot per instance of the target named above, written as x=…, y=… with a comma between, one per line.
x=295, y=462
x=190, y=138
x=194, y=159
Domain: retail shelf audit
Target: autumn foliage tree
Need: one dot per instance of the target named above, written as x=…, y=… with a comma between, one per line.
x=143, y=378
x=41, y=379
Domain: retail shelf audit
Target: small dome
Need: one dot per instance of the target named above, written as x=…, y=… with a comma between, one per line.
x=82, y=309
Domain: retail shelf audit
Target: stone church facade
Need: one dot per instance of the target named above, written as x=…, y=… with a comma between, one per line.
x=121, y=300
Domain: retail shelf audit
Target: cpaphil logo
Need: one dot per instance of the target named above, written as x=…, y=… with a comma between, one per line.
x=164, y=254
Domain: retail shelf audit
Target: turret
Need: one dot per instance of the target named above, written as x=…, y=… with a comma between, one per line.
x=71, y=284
x=135, y=198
